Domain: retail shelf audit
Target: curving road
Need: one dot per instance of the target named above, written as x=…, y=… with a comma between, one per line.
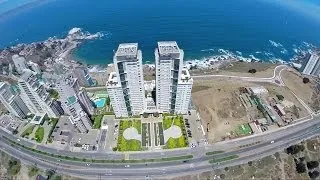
x=282, y=138
x=247, y=149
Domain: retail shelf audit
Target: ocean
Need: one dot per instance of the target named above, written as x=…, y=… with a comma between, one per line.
x=265, y=30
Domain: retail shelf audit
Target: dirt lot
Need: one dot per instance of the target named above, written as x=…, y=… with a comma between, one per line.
x=240, y=69
x=287, y=94
x=306, y=92
x=278, y=166
x=219, y=106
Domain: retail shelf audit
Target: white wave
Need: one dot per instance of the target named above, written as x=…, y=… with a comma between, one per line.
x=258, y=52
x=253, y=57
x=284, y=51
x=238, y=52
x=295, y=50
x=268, y=54
x=78, y=34
x=206, y=50
x=74, y=30
x=275, y=44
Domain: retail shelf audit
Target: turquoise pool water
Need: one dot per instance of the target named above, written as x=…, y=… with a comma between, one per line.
x=100, y=102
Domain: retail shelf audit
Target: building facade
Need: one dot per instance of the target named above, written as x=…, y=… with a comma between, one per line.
x=81, y=73
x=34, y=94
x=115, y=93
x=129, y=74
x=71, y=104
x=312, y=66
x=85, y=101
x=19, y=63
x=12, y=101
x=184, y=89
x=169, y=63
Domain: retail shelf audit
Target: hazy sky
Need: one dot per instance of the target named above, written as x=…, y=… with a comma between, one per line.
x=309, y=8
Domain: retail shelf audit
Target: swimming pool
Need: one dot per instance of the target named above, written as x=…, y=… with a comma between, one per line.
x=100, y=102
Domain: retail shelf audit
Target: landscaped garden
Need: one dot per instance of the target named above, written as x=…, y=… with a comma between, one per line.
x=28, y=131
x=129, y=138
x=53, y=122
x=175, y=132
x=97, y=121
x=39, y=134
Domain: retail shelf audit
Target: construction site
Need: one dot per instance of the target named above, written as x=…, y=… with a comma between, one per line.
x=232, y=108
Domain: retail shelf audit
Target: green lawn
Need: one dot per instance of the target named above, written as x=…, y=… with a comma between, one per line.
x=243, y=130
x=28, y=131
x=213, y=152
x=180, y=142
x=228, y=158
x=39, y=134
x=136, y=123
x=53, y=122
x=167, y=122
x=97, y=121
x=129, y=145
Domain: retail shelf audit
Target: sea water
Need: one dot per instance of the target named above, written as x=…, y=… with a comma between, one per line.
x=255, y=29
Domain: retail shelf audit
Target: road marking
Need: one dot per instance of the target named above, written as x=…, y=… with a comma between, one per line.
x=126, y=156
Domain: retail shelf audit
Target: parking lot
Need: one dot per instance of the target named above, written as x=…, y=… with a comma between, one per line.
x=195, y=131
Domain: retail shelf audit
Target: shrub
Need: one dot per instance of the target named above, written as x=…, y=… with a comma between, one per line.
x=295, y=149
x=305, y=80
x=301, y=168
x=280, y=97
x=252, y=71
x=312, y=164
x=14, y=167
x=313, y=175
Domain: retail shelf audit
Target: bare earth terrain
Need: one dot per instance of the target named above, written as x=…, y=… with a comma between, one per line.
x=239, y=69
x=219, y=106
x=307, y=92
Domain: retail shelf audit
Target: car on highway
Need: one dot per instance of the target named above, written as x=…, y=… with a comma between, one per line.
x=127, y=166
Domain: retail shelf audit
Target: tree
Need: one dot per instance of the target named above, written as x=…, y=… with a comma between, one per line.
x=313, y=175
x=14, y=167
x=301, y=168
x=33, y=170
x=312, y=164
x=280, y=97
x=108, y=100
x=295, y=149
x=252, y=71
x=50, y=173
x=305, y=80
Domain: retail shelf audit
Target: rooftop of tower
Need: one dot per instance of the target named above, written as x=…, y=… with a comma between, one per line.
x=168, y=47
x=127, y=49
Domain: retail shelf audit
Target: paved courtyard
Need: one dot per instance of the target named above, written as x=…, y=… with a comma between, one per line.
x=173, y=132
x=131, y=133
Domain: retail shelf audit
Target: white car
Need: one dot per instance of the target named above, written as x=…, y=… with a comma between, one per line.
x=271, y=142
x=127, y=166
x=18, y=140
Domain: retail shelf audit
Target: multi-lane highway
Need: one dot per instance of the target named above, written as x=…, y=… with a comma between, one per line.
x=262, y=147
x=246, y=149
